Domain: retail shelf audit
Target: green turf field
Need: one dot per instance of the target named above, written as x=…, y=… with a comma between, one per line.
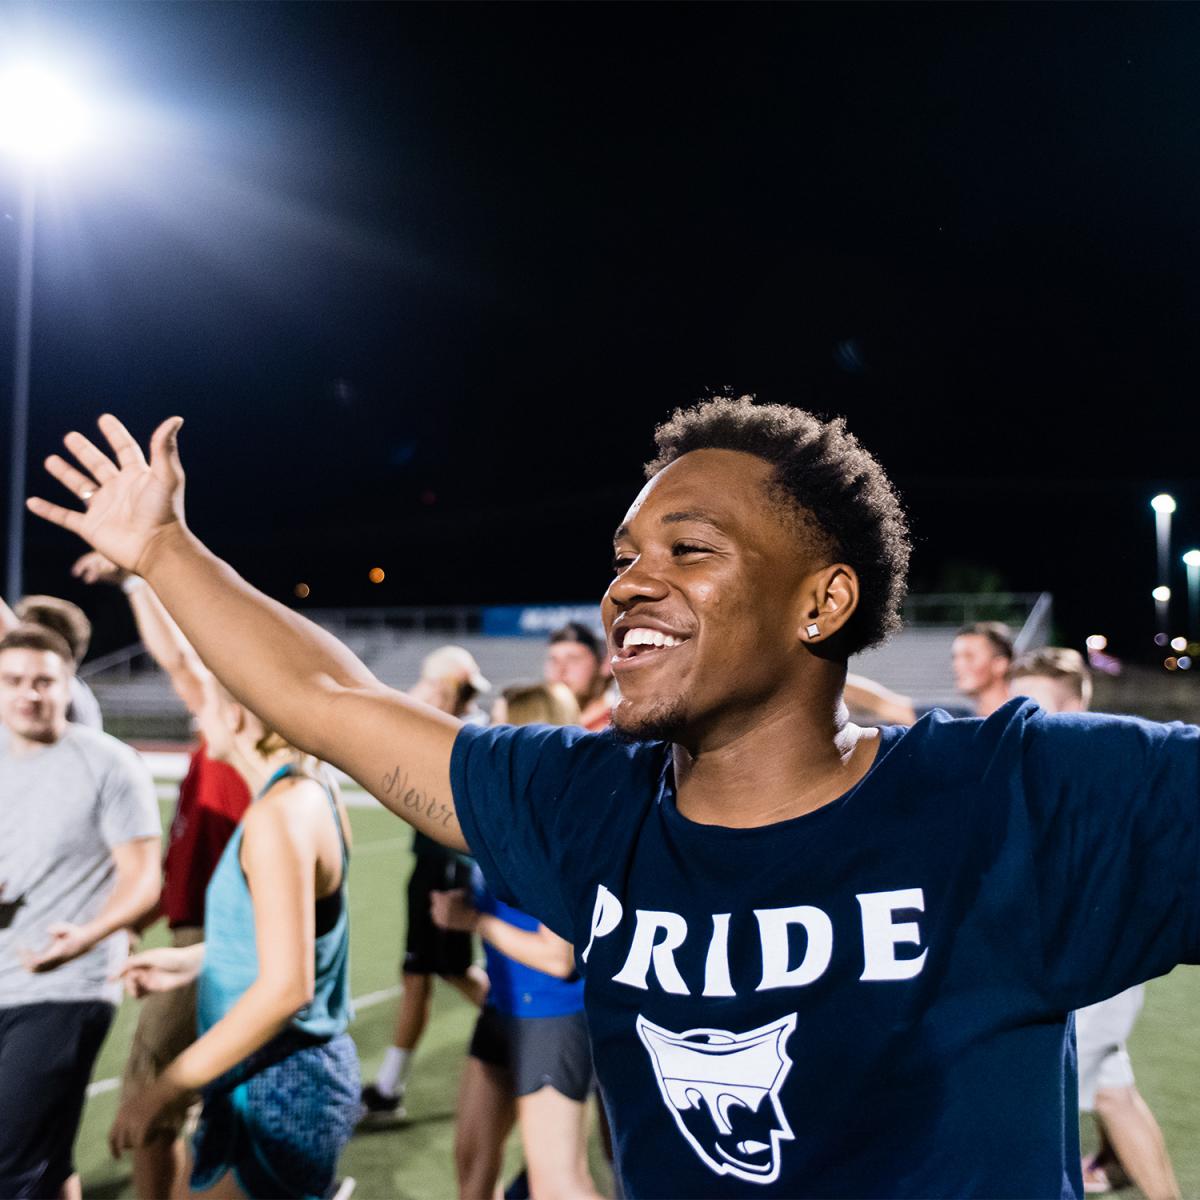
x=415, y=1161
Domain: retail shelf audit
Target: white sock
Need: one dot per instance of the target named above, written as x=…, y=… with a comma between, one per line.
x=393, y=1073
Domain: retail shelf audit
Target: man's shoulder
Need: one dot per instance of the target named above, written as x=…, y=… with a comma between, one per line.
x=102, y=751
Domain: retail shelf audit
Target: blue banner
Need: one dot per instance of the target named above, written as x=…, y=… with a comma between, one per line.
x=538, y=620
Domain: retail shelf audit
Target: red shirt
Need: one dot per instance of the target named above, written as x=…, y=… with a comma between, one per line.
x=212, y=799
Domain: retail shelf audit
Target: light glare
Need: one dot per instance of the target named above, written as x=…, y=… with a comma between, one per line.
x=1162, y=503
x=43, y=119
x=1179, y=643
x=1191, y=558
x=1162, y=593
x=1097, y=641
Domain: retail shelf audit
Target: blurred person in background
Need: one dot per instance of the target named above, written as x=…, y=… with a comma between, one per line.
x=980, y=657
x=213, y=797
x=451, y=682
x=71, y=624
x=79, y=865
x=1131, y=1142
x=576, y=657
x=278, y=1071
x=529, y=1059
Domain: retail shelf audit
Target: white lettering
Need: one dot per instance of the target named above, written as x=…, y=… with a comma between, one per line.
x=773, y=926
x=606, y=916
x=716, y=967
x=643, y=949
x=881, y=935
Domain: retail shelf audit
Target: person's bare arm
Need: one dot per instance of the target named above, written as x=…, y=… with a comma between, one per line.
x=539, y=948
x=163, y=639
x=279, y=855
x=867, y=696
x=297, y=678
x=135, y=893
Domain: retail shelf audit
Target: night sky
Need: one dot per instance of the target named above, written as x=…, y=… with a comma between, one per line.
x=422, y=278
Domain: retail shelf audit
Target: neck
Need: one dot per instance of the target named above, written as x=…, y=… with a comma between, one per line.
x=19, y=745
x=990, y=699
x=255, y=769
x=787, y=761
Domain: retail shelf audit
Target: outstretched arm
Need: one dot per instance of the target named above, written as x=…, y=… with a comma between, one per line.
x=873, y=698
x=297, y=678
x=163, y=639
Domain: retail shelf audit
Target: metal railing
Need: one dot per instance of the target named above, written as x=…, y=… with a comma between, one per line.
x=1029, y=612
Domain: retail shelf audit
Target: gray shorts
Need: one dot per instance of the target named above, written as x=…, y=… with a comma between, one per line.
x=1100, y=1034
x=537, y=1051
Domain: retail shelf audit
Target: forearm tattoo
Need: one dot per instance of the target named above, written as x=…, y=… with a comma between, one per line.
x=396, y=787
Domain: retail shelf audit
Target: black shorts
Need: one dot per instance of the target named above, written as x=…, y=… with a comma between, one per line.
x=538, y=1051
x=47, y=1052
x=430, y=950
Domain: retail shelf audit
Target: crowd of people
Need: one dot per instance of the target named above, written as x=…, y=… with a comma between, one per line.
x=733, y=785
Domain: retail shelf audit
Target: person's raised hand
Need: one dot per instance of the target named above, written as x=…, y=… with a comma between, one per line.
x=94, y=567
x=128, y=503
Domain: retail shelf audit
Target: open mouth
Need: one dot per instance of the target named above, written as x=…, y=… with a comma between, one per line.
x=641, y=643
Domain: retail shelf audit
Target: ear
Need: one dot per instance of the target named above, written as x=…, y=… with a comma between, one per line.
x=828, y=600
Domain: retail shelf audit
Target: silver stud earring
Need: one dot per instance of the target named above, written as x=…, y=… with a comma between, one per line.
x=813, y=631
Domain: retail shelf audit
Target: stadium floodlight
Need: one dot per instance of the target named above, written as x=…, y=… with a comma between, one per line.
x=1162, y=594
x=1163, y=505
x=43, y=118
x=1191, y=560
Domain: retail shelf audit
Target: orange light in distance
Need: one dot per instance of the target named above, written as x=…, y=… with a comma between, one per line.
x=375, y=575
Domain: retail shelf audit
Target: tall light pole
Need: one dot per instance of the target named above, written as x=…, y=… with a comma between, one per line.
x=1191, y=560
x=1163, y=506
x=41, y=120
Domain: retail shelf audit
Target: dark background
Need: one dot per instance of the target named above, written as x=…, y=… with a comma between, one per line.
x=422, y=279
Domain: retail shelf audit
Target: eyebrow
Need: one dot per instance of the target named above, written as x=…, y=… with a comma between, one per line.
x=676, y=518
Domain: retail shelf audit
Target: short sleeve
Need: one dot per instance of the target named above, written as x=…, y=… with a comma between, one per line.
x=128, y=804
x=542, y=809
x=1114, y=807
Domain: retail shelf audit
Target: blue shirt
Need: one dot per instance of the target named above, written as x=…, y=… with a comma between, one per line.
x=871, y=999
x=513, y=988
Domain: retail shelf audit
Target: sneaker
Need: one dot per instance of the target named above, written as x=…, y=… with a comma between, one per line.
x=378, y=1109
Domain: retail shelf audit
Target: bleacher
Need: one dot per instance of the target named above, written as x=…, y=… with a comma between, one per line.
x=138, y=702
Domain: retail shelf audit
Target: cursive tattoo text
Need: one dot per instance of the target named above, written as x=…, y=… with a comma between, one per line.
x=397, y=788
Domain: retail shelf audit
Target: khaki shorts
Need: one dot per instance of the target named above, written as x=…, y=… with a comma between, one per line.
x=166, y=1027
x=1100, y=1034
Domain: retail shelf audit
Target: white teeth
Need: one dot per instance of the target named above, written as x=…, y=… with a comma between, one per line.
x=651, y=637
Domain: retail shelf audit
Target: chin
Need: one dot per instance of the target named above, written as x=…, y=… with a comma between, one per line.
x=662, y=720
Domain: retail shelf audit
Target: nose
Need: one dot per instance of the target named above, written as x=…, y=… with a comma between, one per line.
x=637, y=582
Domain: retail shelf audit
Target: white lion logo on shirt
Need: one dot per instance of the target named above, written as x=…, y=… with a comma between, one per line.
x=722, y=1088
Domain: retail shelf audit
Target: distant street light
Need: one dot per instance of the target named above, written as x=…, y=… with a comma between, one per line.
x=1191, y=560
x=1164, y=506
x=42, y=120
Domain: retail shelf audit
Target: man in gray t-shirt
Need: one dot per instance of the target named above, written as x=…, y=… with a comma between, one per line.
x=79, y=864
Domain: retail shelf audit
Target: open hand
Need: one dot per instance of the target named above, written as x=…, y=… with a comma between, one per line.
x=66, y=942
x=94, y=567
x=128, y=503
x=160, y=970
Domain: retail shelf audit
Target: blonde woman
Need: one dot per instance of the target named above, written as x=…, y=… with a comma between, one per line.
x=277, y=1069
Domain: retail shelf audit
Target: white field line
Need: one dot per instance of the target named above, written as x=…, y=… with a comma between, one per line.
x=368, y=1001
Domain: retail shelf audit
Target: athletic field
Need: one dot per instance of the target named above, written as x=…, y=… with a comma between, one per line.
x=415, y=1161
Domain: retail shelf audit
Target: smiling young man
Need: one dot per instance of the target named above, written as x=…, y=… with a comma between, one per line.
x=79, y=862
x=819, y=960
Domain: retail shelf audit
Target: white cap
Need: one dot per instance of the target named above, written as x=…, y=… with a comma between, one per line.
x=453, y=662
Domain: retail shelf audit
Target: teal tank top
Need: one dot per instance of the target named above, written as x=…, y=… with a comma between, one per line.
x=230, y=953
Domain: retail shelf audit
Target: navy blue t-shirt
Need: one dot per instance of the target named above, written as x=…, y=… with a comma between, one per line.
x=871, y=999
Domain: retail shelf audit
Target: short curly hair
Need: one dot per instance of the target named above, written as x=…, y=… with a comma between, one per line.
x=826, y=478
